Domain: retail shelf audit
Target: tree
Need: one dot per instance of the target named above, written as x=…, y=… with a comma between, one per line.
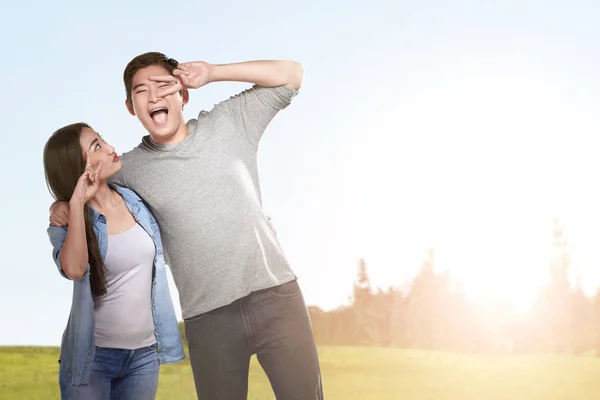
x=365, y=319
x=596, y=319
x=548, y=325
x=426, y=304
x=581, y=322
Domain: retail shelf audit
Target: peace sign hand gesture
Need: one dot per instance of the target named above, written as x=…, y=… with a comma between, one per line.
x=87, y=185
x=190, y=75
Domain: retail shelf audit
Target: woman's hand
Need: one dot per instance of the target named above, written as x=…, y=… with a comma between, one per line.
x=87, y=185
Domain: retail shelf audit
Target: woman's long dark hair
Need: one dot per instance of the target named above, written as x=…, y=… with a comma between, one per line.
x=63, y=165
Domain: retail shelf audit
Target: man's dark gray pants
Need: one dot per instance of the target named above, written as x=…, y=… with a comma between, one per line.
x=273, y=324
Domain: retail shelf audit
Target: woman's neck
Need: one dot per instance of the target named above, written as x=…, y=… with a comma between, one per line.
x=105, y=198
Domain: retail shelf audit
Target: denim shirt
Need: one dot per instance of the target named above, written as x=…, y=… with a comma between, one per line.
x=78, y=347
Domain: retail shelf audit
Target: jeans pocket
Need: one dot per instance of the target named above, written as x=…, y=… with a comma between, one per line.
x=289, y=289
x=153, y=350
x=195, y=318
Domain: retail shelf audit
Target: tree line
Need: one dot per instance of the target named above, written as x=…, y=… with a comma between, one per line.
x=433, y=312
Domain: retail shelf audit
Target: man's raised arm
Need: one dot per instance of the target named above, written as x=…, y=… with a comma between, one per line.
x=268, y=73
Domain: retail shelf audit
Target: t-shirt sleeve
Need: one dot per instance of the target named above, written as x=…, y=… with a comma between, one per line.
x=254, y=108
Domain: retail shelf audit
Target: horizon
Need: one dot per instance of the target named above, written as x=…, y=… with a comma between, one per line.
x=461, y=127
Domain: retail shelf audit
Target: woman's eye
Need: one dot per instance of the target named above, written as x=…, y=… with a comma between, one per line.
x=97, y=146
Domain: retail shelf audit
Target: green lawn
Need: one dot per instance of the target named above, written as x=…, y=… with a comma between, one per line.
x=359, y=373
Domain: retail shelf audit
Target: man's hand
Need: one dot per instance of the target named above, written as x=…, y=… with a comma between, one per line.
x=190, y=75
x=59, y=213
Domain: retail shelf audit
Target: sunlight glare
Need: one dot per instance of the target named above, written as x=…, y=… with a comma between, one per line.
x=476, y=164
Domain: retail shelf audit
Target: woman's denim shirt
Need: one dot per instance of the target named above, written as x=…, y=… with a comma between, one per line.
x=78, y=347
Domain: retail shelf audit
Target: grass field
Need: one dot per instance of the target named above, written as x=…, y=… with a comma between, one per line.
x=358, y=373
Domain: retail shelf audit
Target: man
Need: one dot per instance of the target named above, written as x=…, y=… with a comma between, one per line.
x=238, y=293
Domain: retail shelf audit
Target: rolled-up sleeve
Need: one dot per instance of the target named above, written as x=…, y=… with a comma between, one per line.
x=57, y=236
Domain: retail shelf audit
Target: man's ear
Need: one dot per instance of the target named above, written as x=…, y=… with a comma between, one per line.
x=129, y=106
x=185, y=96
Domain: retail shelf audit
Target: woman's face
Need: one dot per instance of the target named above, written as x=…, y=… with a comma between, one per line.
x=101, y=152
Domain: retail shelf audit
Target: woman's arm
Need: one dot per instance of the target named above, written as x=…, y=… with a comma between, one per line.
x=74, y=253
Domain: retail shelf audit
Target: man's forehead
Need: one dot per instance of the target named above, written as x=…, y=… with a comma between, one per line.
x=142, y=75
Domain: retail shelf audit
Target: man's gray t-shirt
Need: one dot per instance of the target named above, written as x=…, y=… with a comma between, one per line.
x=205, y=194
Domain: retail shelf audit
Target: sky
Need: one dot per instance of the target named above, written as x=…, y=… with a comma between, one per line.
x=465, y=126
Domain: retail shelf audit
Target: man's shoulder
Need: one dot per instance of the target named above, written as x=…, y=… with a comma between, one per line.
x=132, y=159
x=134, y=153
x=129, y=160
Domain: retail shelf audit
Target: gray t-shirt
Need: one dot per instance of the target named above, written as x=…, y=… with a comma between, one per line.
x=205, y=194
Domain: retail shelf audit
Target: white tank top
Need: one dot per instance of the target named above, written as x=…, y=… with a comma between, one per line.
x=123, y=316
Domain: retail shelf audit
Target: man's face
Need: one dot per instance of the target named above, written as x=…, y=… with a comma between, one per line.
x=161, y=116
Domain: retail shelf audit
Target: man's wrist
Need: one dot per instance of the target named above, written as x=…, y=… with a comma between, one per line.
x=217, y=73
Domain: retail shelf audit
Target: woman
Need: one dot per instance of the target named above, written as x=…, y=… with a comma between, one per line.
x=122, y=323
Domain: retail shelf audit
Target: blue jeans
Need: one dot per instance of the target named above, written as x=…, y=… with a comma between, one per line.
x=117, y=374
x=271, y=323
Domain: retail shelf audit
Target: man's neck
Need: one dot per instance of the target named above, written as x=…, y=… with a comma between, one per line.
x=176, y=138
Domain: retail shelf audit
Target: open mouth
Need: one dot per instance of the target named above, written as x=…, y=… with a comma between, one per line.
x=159, y=115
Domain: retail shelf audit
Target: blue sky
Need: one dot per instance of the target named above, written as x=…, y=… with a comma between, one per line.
x=464, y=125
